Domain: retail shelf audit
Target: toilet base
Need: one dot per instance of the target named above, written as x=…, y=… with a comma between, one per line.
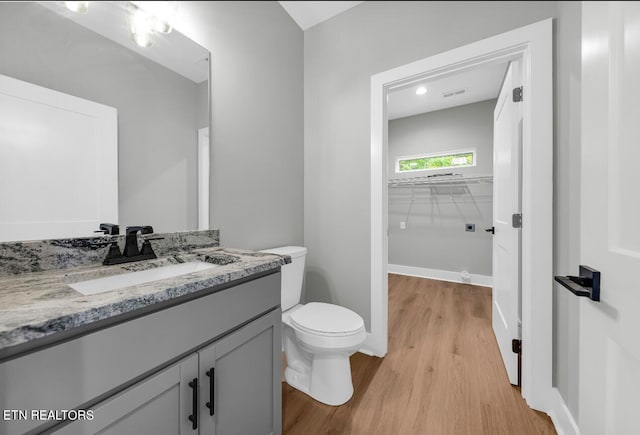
x=317, y=365
x=327, y=379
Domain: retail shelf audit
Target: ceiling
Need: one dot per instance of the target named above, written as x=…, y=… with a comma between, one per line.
x=479, y=84
x=309, y=13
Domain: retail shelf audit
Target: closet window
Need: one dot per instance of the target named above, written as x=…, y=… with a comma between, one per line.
x=436, y=161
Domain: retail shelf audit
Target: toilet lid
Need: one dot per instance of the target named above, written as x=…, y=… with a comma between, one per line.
x=321, y=318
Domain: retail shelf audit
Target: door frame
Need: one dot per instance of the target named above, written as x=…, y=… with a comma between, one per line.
x=204, y=163
x=533, y=44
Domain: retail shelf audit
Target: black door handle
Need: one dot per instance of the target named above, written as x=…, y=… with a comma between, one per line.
x=194, y=404
x=491, y=230
x=212, y=383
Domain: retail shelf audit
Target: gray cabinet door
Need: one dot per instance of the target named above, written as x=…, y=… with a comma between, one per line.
x=158, y=405
x=246, y=397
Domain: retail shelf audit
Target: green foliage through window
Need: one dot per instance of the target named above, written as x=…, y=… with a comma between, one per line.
x=436, y=162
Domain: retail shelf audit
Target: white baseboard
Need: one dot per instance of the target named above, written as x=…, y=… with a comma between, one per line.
x=561, y=416
x=366, y=351
x=442, y=275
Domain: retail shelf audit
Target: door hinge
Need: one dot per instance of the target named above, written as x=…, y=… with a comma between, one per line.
x=516, y=220
x=517, y=94
x=516, y=346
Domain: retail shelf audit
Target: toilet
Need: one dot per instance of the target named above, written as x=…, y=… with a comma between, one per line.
x=317, y=338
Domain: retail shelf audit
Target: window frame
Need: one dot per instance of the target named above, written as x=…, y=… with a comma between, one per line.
x=471, y=151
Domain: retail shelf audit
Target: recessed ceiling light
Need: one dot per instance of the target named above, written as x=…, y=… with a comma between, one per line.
x=421, y=90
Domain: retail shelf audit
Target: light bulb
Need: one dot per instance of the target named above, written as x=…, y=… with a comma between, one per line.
x=421, y=90
x=163, y=13
x=79, y=7
x=144, y=40
x=163, y=26
x=142, y=25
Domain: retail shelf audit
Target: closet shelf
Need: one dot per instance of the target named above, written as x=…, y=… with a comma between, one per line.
x=432, y=180
x=452, y=186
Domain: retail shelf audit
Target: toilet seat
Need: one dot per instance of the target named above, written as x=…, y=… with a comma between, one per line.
x=328, y=320
x=325, y=327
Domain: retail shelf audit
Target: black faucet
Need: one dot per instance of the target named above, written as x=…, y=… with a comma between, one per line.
x=113, y=254
x=131, y=242
x=131, y=251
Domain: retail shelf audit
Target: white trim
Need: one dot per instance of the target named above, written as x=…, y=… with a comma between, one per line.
x=560, y=415
x=533, y=45
x=204, y=164
x=441, y=275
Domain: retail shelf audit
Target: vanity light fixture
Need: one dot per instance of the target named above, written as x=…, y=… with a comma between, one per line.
x=145, y=18
x=148, y=17
x=163, y=12
x=421, y=90
x=141, y=24
x=79, y=7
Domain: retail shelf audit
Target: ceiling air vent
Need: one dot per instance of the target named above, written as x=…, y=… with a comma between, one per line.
x=453, y=93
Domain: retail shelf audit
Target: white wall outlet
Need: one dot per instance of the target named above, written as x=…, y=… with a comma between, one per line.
x=403, y=225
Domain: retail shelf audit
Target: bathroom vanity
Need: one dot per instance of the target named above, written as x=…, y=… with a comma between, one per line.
x=198, y=353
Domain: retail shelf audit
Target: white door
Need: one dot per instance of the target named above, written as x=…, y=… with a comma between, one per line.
x=506, y=240
x=609, y=372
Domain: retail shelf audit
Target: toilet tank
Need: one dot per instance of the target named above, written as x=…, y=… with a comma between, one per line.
x=292, y=274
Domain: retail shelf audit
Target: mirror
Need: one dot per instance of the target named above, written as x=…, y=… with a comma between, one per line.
x=159, y=99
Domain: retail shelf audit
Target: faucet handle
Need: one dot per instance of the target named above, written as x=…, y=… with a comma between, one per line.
x=109, y=229
x=142, y=229
x=146, y=246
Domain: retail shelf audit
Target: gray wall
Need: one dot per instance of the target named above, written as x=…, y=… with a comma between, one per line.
x=340, y=56
x=435, y=236
x=566, y=313
x=157, y=158
x=257, y=130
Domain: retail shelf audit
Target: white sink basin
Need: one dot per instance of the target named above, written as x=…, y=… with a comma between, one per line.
x=115, y=282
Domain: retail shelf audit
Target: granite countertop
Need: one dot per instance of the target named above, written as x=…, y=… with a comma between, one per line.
x=40, y=304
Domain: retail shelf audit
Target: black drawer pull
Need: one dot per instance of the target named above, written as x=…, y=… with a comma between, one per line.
x=212, y=384
x=194, y=416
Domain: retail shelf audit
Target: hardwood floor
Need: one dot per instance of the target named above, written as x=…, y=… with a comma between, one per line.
x=443, y=373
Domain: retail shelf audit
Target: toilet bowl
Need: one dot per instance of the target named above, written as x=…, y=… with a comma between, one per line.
x=318, y=338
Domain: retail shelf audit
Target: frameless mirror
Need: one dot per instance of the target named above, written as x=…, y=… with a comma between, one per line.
x=95, y=127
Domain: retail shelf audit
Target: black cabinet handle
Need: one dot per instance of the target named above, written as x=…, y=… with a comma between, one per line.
x=194, y=416
x=491, y=230
x=212, y=384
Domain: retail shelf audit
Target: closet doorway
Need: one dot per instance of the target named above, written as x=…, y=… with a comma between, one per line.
x=440, y=176
x=445, y=135
x=532, y=47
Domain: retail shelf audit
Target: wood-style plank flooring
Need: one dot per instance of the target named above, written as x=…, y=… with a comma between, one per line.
x=442, y=375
